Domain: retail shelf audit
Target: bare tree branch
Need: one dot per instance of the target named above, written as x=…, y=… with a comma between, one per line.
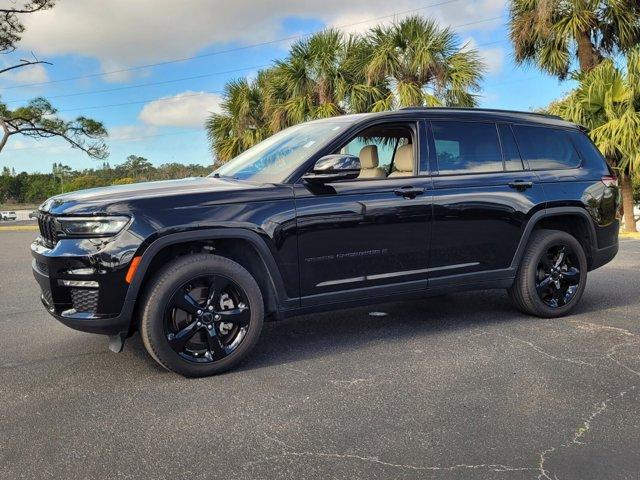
x=29, y=7
x=11, y=27
x=24, y=63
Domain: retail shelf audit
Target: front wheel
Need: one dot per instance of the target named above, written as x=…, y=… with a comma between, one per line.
x=552, y=275
x=202, y=315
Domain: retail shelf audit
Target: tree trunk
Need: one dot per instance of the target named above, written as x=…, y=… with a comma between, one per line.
x=587, y=55
x=324, y=94
x=626, y=188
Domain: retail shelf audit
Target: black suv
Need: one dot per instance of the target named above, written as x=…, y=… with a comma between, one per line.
x=328, y=214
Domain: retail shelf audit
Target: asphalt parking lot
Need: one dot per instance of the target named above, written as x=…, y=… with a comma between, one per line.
x=459, y=386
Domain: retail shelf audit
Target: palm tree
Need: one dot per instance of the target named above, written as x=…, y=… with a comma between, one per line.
x=551, y=33
x=359, y=93
x=243, y=121
x=322, y=77
x=607, y=101
x=423, y=64
x=412, y=62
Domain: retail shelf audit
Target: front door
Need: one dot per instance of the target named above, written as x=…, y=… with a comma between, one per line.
x=370, y=235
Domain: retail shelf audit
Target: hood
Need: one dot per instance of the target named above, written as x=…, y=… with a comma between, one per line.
x=103, y=199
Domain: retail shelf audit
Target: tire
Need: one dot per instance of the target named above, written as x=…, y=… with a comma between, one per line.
x=158, y=321
x=527, y=292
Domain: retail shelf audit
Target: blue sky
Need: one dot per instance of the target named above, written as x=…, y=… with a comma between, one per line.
x=96, y=43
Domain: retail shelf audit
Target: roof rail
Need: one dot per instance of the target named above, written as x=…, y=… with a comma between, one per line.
x=487, y=110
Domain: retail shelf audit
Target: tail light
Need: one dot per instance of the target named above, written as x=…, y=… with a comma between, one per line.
x=610, y=180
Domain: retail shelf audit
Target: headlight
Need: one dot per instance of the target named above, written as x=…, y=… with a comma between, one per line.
x=92, y=226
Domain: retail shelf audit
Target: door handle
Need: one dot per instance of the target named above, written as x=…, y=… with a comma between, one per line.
x=408, y=192
x=520, y=185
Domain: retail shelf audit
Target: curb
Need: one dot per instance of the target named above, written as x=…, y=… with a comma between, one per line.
x=634, y=235
x=19, y=228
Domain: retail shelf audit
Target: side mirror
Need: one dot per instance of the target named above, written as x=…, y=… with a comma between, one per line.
x=332, y=168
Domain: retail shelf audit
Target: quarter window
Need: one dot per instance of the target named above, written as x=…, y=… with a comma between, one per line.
x=467, y=147
x=546, y=148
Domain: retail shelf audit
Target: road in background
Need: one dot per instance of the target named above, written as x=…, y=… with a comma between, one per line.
x=454, y=387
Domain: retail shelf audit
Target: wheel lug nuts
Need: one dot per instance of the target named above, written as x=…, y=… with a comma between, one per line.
x=198, y=324
x=211, y=308
x=199, y=312
x=209, y=327
x=217, y=317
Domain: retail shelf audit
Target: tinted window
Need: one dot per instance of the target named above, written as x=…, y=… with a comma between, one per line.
x=546, y=148
x=512, y=161
x=589, y=152
x=467, y=147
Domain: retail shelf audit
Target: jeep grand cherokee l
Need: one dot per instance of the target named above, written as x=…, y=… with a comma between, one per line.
x=330, y=214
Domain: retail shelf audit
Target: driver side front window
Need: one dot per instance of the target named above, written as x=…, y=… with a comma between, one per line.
x=384, y=150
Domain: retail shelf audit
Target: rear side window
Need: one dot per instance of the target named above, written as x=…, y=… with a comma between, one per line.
x=466, y=147
x=546, y=148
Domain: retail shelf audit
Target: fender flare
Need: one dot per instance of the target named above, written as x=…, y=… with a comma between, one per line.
x=277, y=284
x=553, y=212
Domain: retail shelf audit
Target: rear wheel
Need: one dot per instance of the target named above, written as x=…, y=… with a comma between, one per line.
x=552, y=275
x=202, y=315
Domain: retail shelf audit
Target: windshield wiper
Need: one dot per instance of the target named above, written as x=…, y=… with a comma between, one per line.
x=217, y=175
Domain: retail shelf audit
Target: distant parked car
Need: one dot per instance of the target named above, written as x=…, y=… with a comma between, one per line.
x=33, y=214
x=8, y=216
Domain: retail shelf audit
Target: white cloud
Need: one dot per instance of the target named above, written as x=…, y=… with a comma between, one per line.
x=128, y=132
x=186, y=109
x=492, y=57
x=120, y=33
x=27, y=74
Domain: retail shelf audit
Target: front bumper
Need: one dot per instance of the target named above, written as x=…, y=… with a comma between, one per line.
x=82, y=283
x=85, y=321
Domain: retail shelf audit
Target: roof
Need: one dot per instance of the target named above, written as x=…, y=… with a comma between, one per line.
x=466, y=113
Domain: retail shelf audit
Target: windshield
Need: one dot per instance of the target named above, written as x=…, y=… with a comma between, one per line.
x=277, y=157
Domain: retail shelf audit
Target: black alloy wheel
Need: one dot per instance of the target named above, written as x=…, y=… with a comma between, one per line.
x=207, y=318
x=558, y=276
x=552, y=274
x=202, y=314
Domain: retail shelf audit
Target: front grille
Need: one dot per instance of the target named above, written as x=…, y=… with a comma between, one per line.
x=84, y=300
x=48, y=230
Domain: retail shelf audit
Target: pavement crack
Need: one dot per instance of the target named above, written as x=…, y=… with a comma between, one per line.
x=289, y=451
x=611, y=356
x=633, y=340
x=595, y=327
x=540, y=350
x=352, y=383
x=578, y=434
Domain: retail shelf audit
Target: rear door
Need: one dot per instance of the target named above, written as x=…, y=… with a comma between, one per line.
x=483, y=197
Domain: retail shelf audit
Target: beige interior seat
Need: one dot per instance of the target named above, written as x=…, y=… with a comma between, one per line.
x=403, y=162
x=369, y=163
